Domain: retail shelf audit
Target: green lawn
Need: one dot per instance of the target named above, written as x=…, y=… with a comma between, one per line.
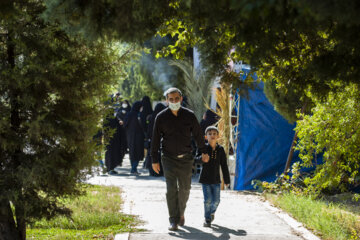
x=95, y=216
x=326, y=219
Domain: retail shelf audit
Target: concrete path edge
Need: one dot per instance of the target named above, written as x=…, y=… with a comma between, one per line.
x=292, y=222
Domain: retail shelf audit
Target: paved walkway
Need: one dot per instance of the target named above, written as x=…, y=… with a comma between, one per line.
x=240, y=215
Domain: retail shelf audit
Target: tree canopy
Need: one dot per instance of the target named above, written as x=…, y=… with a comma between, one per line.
x=306, y=42
x=287, y=101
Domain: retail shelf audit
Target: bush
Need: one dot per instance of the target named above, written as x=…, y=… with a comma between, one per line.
x=332, y=130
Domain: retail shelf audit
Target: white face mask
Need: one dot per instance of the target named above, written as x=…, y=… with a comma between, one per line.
x=124, y=105
x=174, y=106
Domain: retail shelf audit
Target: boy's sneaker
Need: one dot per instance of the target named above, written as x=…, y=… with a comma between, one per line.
x=212, y=217
x=135, y=173
x=207, y=223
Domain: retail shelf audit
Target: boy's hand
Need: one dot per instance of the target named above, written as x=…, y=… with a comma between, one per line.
x=205, y=157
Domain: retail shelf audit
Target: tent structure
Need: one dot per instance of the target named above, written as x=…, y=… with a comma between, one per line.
x=263, y=139
x=262, y=136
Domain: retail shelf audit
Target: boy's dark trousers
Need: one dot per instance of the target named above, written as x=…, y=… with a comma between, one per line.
x=178, y=172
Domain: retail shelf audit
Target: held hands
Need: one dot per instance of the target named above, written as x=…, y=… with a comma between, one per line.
x=205, y=157
x=156, y=167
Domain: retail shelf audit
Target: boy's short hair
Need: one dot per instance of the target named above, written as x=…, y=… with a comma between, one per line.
x=172, y=90
x=209, y=128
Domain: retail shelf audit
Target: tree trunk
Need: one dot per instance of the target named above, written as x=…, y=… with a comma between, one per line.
x=20, y=221
x=291, y=152
x=15, y=122
x=8, y=229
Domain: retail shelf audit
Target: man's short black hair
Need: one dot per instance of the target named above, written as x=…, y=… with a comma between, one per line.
x=172, y=90
x=209, y=128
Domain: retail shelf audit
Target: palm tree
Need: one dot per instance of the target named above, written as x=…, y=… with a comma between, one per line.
x=197, y=86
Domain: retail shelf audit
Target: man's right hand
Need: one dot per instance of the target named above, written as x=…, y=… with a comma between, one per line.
x=156, y=167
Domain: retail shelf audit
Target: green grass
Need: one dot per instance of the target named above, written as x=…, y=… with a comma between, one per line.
x=95, y=216
x=330, y=221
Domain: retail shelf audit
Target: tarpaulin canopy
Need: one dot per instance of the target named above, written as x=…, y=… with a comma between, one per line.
x=263, y=140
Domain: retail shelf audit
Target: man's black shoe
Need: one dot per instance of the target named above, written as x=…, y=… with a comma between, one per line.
x=212, y=217
x=112, y=172
x=173, y=227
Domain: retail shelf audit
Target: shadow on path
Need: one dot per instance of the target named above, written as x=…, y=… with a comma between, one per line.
x=194, y=233
x=144, y=175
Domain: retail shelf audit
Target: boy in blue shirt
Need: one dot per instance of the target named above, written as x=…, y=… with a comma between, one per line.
x=210, y=174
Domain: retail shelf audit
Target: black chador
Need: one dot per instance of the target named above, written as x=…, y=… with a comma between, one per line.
x=158, y=108
x=114, y=150
x=122, y=112
x=135, y=136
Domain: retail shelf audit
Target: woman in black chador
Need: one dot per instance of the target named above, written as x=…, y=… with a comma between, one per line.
x=124, y=109
x=158, y=108
x=209, y=119
x=116, y=147
x=145, y=113
x=113, y=154
x=135, y=136
x=145, y=116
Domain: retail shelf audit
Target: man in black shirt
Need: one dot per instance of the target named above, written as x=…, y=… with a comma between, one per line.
x=173, y=129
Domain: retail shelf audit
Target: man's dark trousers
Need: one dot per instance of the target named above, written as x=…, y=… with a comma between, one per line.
x=178, y=172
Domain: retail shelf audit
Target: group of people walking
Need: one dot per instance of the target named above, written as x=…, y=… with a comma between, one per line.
x=130, y=131
x=168, y=134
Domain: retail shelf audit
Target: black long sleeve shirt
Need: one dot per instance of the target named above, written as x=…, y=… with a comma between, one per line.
x=173, y=133
x=210, y=173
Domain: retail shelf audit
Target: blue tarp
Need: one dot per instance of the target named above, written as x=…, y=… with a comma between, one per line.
x=263, y=140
